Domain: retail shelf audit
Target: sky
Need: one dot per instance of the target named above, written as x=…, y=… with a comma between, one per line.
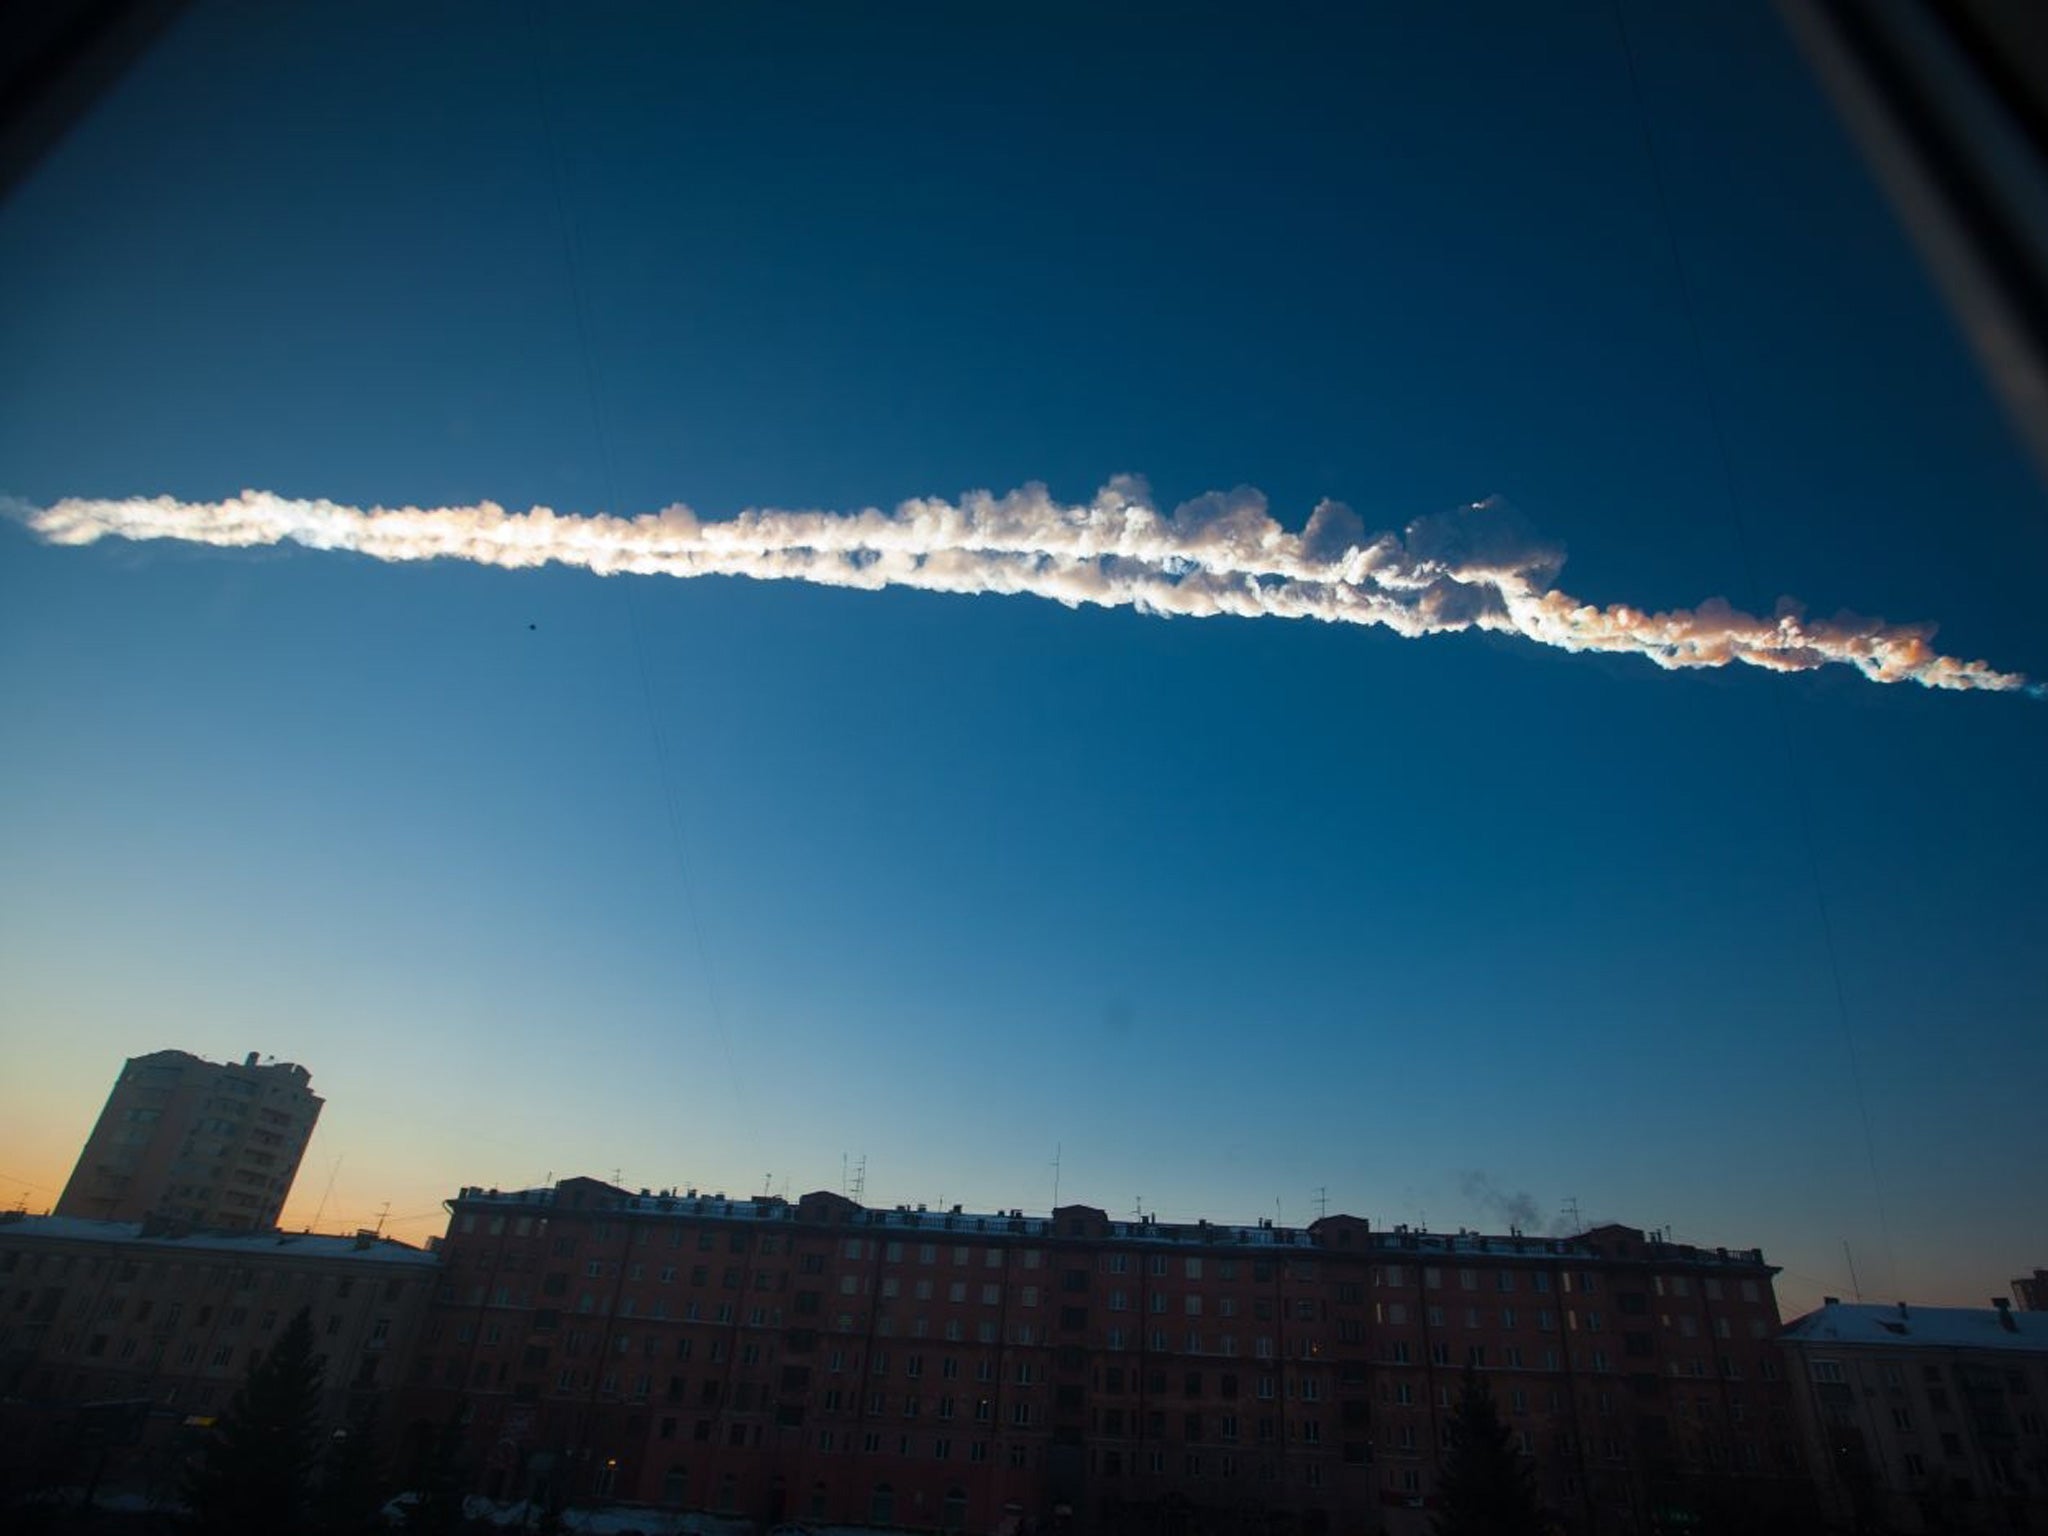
x=740, y=884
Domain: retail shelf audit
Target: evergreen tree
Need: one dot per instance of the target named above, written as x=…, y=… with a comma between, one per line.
x=352, y=1489
x=255, y=1476
x=1485, y=1488
x=436, y=1478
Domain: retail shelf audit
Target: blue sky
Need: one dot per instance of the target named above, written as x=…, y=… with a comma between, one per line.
x=545, y=872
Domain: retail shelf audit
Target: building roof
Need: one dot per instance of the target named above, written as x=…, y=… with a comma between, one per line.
x=1603, y=1243
x=361, y=1248
x=1845, y=1324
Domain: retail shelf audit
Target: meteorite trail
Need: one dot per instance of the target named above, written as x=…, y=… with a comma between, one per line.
x=1478, y=567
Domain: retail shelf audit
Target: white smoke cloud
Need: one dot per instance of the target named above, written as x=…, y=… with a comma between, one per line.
x=1480, y=567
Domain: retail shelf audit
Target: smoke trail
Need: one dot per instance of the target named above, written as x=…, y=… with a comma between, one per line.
x=1477, y=568
x=1517, y=1209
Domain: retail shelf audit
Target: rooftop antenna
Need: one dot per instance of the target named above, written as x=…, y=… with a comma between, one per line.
x=1058, y=1148
x=1138, y=1208
x=767, y=1184
x=1276, y=1212
x=1322, y=1201
x=842, y=1175
x=321, y=1209
x=383, y=1211
x=1571, y=1209
x=1855, y=1286
x=860, y=1180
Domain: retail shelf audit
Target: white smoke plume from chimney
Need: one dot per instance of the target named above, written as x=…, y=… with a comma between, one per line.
x=1223, y=553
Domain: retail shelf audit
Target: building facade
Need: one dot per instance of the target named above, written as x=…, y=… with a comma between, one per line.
x=1925, y=1418
x=157, y=1330
x=826, y=1362
x=209, y=1143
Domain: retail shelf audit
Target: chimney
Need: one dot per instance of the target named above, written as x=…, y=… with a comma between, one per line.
x=1831, y=1301
x=249, y=1060
x=1902, y=1310
x=2005, y=1317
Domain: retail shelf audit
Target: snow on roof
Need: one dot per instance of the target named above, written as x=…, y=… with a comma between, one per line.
x=596, y=1195
x=320, y=1245
x=1925, y=1327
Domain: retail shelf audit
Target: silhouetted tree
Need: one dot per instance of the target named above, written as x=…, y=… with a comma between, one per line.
x=255, y=1476
x=435, y=1477
x=1485, y=1489
x=352, y=1491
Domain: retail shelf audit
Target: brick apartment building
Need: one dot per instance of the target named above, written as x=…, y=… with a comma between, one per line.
x=213, y=1144
x=153, y=1328
x=827, y=1362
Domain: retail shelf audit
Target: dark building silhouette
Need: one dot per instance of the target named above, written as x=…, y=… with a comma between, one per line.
x=1925, y=1419
x=121, y=1343
x=824, y=1362
x=2031, y=1291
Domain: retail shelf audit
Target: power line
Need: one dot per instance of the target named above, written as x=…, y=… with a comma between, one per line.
x=1739, y=527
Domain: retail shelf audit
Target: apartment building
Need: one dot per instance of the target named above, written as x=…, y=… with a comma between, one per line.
x=210, y=1143
x=823, y=1361
x=1925, y=1418
x=159, y=1327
